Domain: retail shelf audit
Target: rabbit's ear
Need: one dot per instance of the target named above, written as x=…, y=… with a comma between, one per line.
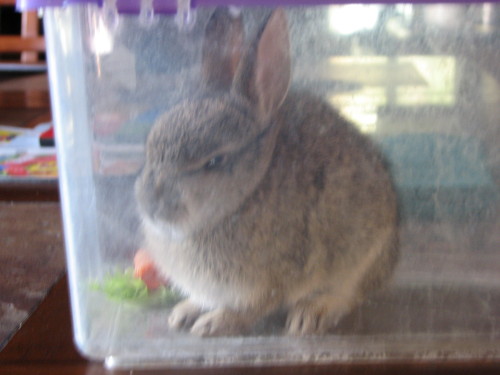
x=222, y=48
x=264, y=74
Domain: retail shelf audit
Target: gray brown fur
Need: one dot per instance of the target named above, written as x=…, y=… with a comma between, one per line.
x=301, y=213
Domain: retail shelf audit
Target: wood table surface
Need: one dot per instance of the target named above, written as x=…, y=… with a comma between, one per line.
x=31, y=229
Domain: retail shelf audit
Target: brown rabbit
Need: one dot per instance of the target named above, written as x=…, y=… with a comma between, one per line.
x=255, y=198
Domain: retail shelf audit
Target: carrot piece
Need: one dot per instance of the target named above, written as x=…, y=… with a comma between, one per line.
x=145, y=269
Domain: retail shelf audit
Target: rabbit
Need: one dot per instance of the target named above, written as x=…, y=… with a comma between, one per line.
x=255, y=198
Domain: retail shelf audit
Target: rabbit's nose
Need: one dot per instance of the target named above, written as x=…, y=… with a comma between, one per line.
x=169, y=210
x=164, y=189
x=168, y=200
x=171, y=206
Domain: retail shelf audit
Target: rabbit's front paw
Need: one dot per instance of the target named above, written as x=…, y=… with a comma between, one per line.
x=184, y=315
x=220, y=322
x=315, y=316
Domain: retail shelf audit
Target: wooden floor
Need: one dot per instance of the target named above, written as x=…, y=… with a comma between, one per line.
x=32, y=259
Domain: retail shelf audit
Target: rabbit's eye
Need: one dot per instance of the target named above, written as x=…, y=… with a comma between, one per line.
x=214, y=163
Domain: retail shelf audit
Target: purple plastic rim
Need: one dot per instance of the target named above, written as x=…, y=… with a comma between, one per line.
x=170, y=6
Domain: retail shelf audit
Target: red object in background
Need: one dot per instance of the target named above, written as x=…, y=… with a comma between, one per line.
x=47, y=138
x=16, y=170
x=29, y=165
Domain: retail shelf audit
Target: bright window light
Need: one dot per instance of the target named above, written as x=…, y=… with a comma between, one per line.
x=353, y=18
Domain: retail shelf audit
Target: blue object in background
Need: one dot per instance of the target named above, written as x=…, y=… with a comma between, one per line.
x=440, y=176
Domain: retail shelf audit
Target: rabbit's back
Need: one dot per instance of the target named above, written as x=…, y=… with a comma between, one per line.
x=349, y=202
x=332, y=195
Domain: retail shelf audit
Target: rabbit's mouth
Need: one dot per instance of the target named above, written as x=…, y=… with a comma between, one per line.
x=168, y=216
x=161, y=207
x=166, y=228
x=164, y=216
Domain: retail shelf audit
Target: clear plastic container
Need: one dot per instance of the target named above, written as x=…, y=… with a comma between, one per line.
x=421, y=81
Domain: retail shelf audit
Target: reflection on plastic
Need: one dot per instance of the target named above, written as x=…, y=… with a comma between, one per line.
x=407, y=81
x=424, y=87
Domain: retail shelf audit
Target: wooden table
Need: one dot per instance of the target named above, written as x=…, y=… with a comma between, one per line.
x=44, y=344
